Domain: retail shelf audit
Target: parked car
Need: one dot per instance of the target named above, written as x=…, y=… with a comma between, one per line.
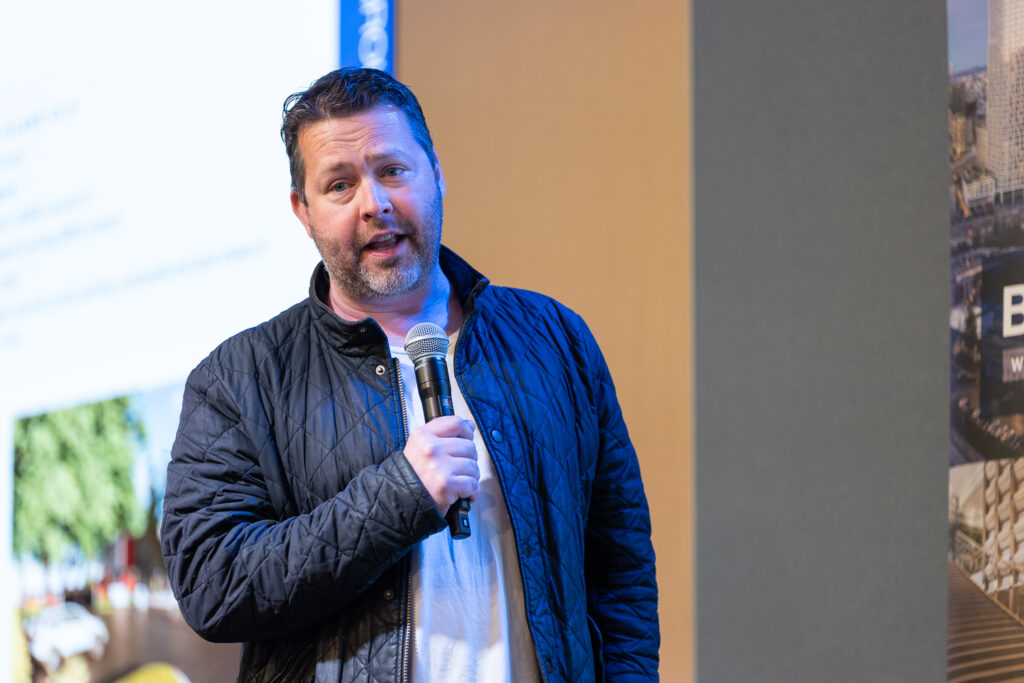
x=62, y=631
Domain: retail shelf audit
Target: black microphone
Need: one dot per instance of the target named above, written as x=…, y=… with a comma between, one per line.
x=427, y=344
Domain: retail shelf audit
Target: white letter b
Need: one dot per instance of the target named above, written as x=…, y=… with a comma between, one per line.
x=1011, y=329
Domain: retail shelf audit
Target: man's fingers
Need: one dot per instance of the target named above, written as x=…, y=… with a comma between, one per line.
x=465, y=466
x=443, y=455
x=463, y=487
x=456, y=448
x=450, y=426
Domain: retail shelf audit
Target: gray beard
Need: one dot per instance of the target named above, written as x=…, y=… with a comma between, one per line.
x=363, y=284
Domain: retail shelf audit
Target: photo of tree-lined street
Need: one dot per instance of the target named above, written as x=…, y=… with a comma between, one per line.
x=94, y=602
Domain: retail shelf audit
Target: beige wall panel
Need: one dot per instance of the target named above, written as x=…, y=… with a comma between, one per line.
x=563, y=130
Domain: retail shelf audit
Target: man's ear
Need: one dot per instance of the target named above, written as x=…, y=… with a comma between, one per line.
x=439, y=175
x=301, y=211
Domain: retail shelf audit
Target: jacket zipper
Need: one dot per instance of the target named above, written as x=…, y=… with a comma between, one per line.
x=407, y=600
x=397, y=366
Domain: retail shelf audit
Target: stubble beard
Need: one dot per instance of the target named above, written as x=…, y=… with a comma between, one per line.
x=390, y=278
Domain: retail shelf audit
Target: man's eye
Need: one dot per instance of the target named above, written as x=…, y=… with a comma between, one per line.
x=339, y=187
x=392, y=171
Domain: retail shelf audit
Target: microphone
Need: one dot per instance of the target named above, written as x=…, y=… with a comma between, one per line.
x=427, y=344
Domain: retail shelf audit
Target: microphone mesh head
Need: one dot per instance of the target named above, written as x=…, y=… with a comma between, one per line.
x=426, y=339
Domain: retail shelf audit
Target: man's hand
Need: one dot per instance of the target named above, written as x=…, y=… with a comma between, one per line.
x=444, y=457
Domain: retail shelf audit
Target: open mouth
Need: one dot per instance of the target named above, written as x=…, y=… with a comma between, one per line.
x=384, y=242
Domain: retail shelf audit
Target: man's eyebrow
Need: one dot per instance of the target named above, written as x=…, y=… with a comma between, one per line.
x=386, y=154
x=335, y=167
x=376, y=157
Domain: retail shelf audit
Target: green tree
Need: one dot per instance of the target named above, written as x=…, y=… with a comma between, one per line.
x=73, y=479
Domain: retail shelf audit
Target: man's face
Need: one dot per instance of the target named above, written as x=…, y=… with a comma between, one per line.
x=373, y=203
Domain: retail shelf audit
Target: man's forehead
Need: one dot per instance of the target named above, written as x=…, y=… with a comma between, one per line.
x=367, y=137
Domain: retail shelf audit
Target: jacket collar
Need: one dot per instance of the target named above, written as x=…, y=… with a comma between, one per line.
x=465, y=280
x=365, y=337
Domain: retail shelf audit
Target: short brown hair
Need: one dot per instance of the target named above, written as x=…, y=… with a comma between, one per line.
x=344, y=92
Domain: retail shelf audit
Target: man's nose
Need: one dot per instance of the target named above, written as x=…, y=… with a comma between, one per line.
x=376, y=202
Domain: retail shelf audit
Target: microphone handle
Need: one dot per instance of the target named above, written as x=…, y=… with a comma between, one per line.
x=436, y=394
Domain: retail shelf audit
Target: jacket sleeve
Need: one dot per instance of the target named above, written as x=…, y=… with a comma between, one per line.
x=622, y=593
x=239, y=571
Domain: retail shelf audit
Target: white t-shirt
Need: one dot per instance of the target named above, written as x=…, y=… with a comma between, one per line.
x=469, y=616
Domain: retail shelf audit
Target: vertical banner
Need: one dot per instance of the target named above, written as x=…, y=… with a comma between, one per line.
x=368, y=34
x=986, y=206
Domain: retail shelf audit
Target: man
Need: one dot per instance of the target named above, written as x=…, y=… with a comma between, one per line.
x=305, y=502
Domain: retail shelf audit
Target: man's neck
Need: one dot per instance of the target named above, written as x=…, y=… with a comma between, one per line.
x=434, y=302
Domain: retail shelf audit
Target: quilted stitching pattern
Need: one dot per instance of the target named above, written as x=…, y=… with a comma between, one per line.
x=289, y=502
x=573, y=456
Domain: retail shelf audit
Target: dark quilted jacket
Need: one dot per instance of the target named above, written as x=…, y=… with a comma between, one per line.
x=290, y=509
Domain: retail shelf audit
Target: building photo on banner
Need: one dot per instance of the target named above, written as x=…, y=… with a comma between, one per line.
x=986, y=205
x=142, y=179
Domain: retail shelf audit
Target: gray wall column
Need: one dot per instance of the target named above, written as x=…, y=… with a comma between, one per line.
x=822, y=342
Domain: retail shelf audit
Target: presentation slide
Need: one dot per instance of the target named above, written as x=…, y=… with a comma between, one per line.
x=144, y=218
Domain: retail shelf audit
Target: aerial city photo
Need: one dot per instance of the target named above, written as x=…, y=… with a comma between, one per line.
x=986, y=454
